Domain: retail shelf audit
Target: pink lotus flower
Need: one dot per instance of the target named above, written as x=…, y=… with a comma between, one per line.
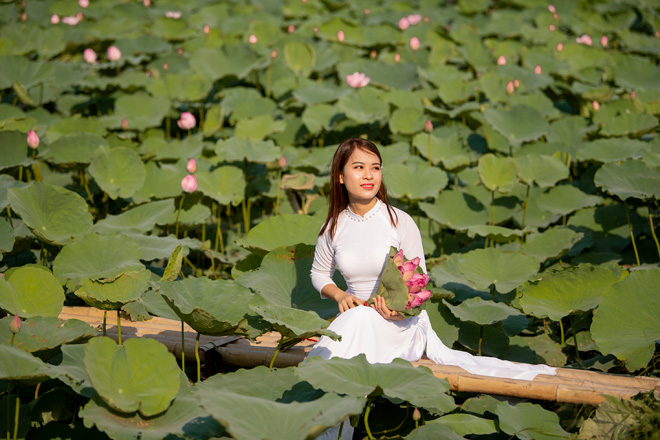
x=404, y=23
x=341, y=36
x=552, y=28
x=417, y=282
x=408, y=268
x=373, y=54
x=173, y=14
x=191, y=166
x=71, y=21
x=54, y=19
x=428, y=126
x=414, y=19
x=273, y=54
x=510, y=88
x=282, y=162
x=89, y=56
x=552, y=9
x=252, y=39
x=537, y=69
x=206, y=29
x=83, y=3
x=187, y=121
x=357, y=80
x=501, y=60
x=398, y=258
x=560, y=47
x=316, y=29
x=367, y=11
x=114, y=54
x=604, y=40
x=291, y=29
x=146, y=3
x=633, y=95
x=397, y=58
x=584, y=39
x=33, y=139
x=419, y=298
x=516, y=83
x=165, y=66
x=189, y=184
x=595, y=105
x=15, y=324
x=414, y=43
x=124, y=124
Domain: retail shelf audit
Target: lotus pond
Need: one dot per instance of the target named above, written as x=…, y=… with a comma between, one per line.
x=522, y=136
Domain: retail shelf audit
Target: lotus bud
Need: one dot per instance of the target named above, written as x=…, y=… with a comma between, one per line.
x=584, y=39
x=15, y=324
x=316, y=29
x=367, y=11
x=191, y=166
x=407, y=274
x=273, y=54
x=207, y=29
x=71, y=21
x=189, y=183
x=555, y=16
x=510, y=88
x=595, y=105
x=146, y=3
x=604, y=40
x=373, y=54
x=633, y=95
x=54, y=19
x=148, y=73
x=33, y=139
x=552, y=9
x=357, y=80
x=416, y=415
x=552, y=28
x=173, y=14
x=24, y=17
x=340, y=36
x=187, y=121
x=282, y=162
x=165, y=66
x=501, y=60
x=179, y=51
x=414, y=43
x=291, y=29
x=124, y=124
x=397, y=259
x=404, y=23
x=428, y=127
x=414, y=19
x=657, y=34
x=114, y=54
x=560, y=47
x=397, y=58
x=252, y=39
x=89, y=56
x=420, y=297
x=83, y=3
x=537, y=69
x=516, y=83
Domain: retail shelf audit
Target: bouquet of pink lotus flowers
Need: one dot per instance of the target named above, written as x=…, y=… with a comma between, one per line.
x=402, y=284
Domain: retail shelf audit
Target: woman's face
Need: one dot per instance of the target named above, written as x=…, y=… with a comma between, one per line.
x=361, y=176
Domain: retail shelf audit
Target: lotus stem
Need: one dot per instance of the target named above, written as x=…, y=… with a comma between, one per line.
x=118, y=328
x=189, y=133
x=8, y=414
x=36, y=391
x=105, y=315
x=9, y=217
x=218, y=236
x=577, y=351
x=632, y=237
x=183, y=352
x=277, y=198
x=20, y=173
x=341, y=428
x=655, y=238
x=272, y=360
x=16, y=414
x=212, y=265
x=168, y=127
x=430, y=162
x=492, y=208
x=83, y=181
x=199, y=374
x=561, y=328
x=176, y=227
x=246, y=216
x=366, y=421
x=522, y=226
x=269, y=77
x=28, y=175
x=481, y=338
x=201, y=120
x=12, y=339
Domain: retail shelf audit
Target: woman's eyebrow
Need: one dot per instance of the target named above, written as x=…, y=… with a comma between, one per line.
x=362, y=163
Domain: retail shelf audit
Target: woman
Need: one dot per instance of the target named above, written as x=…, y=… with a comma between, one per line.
x=360, y=229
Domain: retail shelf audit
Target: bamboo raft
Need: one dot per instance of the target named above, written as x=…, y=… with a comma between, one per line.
x=569, y=385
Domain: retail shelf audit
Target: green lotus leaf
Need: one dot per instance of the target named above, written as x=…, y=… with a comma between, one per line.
x=75, y=125
x=629, y=328
x=160, y=182
x=536, y=215
x=456, y=210
x=564, y=199
x=21, y=366
x=414, y=182
x=552, y=243
x=621, y=118
x=75, y=148
x=501, y=207
x=319, y=93
x=506, y=271
x=153, y=247
x=300, y=58
x=118, y=171
x=41, y=334
x=320, y=117
x=231, y=59
x=7, y=238
x=14, y=149
x=185, y=418
x=496, y=233
x=396, y=380
x=258, y=128
x=630, y=178
x=636, y=72
x=31, y=291
x=482, y=312
x=281, y=230
x=142, y=110
x=142, y=218
x=192, y=215
x=545, y=171
x=113, y=294
x=54, y=214
x=29, y=73
x=498, y=173
x=564, y=291
x=181, y=87
x=569, y=130
x=172, y=149
x=140, y=375
x=547, y=351
x=283, y=280
x=444, y=145
x=431, y=430
x=610, y=150
x=210, y=307
x=407, y=120
x=225, y=184
x=257, y=106
x=97, y=257
x=519, y=124
x=237, y=150
x=365, y=105
x=401, y=76
x=294, y=323
x=455, y=91
x=465, y=424
x=278, y=421
x=529, y=421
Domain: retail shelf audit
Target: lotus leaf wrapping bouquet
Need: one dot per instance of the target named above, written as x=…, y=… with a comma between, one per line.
x=402, y=284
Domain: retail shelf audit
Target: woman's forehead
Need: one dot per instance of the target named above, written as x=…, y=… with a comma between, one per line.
x=364, y=156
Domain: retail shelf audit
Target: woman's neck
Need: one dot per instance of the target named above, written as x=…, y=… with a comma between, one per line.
x=360, y=208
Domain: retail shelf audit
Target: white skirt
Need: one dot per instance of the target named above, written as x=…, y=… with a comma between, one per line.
x=365, y=331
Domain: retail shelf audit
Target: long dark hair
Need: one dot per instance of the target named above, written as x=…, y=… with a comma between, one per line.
x=338, y=197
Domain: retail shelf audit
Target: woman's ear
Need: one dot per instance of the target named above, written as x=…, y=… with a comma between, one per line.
x=341, y=177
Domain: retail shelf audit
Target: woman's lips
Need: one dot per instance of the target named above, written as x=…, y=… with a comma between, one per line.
x=367, y=185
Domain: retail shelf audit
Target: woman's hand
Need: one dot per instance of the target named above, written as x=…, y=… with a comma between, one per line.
x=347, y=301
x=379, y=305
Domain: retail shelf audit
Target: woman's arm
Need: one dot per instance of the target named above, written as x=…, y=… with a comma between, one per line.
x=344, y=300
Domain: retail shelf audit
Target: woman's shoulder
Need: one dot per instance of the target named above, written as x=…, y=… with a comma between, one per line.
x=400, y=214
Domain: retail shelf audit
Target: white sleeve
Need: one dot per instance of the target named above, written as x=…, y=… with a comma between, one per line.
x=323, y=266
x=411, y=238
